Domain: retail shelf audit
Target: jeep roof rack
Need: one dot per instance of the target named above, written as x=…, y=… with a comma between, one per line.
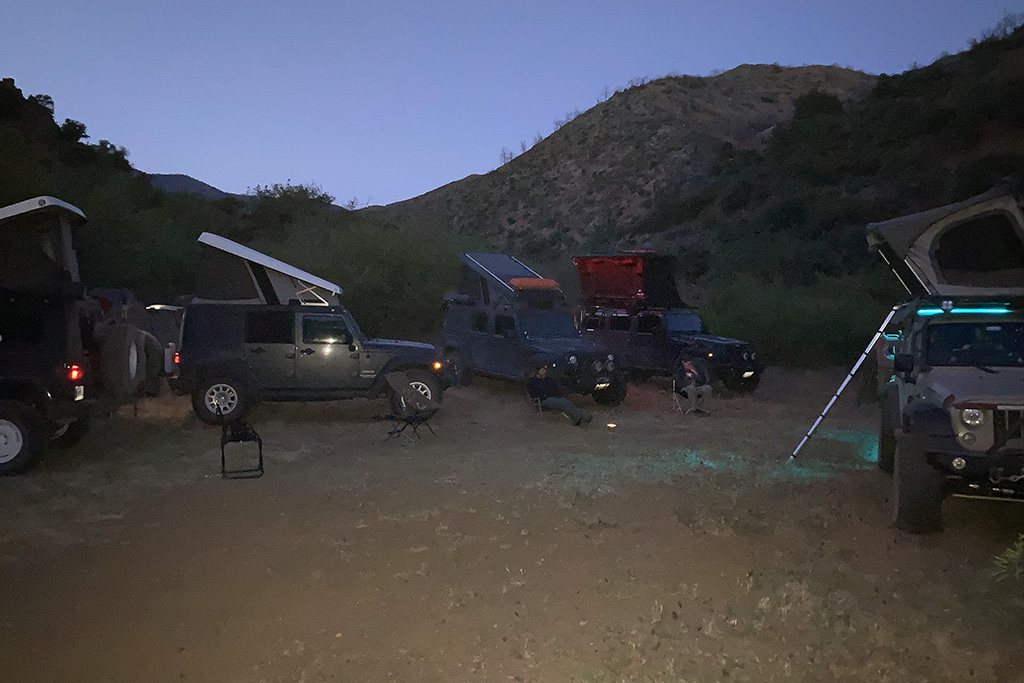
x=260, y=279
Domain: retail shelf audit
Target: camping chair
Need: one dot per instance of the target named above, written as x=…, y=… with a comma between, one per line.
x=237, y=431
x=416, y=409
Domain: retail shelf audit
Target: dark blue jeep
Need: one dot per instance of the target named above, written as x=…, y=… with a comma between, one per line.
x=505, y=320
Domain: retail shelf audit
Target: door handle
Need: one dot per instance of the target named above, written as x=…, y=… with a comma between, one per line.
x=289, y=355
x=258, y=349
x=307, y=352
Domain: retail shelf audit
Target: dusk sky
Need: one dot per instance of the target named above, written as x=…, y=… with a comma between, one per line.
x=386, y=100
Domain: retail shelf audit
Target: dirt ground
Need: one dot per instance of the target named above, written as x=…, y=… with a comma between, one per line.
x=507, y=546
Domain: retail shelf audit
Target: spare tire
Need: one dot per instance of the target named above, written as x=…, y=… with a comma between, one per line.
x=122, y=360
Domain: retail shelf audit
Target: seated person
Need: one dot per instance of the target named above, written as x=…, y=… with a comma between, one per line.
x=545, y=389
x=693, y=382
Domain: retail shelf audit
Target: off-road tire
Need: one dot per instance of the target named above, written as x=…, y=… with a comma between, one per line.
x=612, y=396
x=462, y=374
x=917, y=489
x=233, y=395
x=122, y=360
x=422, y=381
x=22, y=437
x=71, y=434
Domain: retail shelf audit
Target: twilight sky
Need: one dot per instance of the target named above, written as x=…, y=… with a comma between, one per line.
x=386, y=99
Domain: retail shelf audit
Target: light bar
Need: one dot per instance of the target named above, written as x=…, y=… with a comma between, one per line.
x=963, y=311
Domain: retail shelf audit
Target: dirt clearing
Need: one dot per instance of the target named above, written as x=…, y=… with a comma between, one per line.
x=508, y=546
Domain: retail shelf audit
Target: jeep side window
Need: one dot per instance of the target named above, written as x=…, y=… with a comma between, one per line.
x=619, y=323
x=648, y=324
x=480, y=322
x=269, y=327
x=592, y=323
x=503, y=323
x=325, y=329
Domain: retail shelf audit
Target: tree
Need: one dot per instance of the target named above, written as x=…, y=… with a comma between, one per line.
x=44, y=101
x=73, y=131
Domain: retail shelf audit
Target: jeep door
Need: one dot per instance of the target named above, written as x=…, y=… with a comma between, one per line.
x=505, y=353
x=269, y=347
x=616, y=337
x=328, y=353
x=650, y=347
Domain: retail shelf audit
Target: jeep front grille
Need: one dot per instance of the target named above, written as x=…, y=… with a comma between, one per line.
x=1008, y=424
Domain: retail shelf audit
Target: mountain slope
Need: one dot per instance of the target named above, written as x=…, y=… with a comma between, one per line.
x=610, y=165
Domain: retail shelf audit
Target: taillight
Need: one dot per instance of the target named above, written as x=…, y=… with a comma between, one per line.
x=75, y=373
x=177, y=358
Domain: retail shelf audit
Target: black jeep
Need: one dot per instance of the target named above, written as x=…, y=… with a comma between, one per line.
x=61, y=353
x=632, y=307
x=236, y=353
x=506, y=320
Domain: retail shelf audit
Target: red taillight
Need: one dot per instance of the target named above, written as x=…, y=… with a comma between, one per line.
x=177, y=358
x=74, y=373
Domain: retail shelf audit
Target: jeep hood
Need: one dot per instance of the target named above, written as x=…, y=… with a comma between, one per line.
x=566, y=346
x=974, y=247
x=1004, y=387
x=393, y=345
x=709, y=339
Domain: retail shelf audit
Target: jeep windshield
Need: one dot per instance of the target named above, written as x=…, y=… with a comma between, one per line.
x=683, y=321
x=976, y=344
x=547, y=324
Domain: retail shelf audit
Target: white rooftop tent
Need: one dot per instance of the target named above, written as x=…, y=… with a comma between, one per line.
x=272, y=281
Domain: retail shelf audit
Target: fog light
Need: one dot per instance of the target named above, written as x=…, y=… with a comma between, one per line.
x=611, y=425
x=437, y=365
x=959, y=463
x=748, y=373
x=601, y=385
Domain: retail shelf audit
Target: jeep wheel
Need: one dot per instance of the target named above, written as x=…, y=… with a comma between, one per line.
x=122, y=360
x=21, y=437
x=917, y=489
x=70, y=434
x=612, y=396
x=461, y=374
x=226, y=393
x=886, y=448
x=421, y=381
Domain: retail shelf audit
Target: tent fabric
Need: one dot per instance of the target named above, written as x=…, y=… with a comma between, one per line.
x=501, y=268
x=983, y=253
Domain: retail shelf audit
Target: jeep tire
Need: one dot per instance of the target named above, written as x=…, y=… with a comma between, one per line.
x=421, y=381
x=22, y=437
x=122, y=360
x=917, y=489
x=232, y=395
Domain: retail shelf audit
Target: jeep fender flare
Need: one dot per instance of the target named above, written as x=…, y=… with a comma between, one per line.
x=230, y=368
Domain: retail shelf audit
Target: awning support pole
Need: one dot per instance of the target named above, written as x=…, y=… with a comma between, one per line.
x=846, y=381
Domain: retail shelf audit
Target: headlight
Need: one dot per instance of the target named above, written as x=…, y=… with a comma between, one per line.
x=972, y=417
x=597, y=366
x=609, y=366
x=573, y=360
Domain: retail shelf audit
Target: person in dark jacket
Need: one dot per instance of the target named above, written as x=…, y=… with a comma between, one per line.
x=692, y=381
x=545, y=389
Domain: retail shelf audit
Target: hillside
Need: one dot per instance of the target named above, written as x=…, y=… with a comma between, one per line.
x=179, y=183
x=604, y=171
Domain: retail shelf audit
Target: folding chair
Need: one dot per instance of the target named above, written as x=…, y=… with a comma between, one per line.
x=416, y=409
x=236, y=431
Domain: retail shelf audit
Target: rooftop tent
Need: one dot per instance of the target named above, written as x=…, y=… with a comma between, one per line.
x=231, y=272
x=974, y=247
x=630, y=279
x=35, y=244
x=499, y=268
x=503, y=280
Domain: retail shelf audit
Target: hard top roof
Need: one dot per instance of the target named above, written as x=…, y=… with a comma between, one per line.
x=42, y=204
x=501, y=268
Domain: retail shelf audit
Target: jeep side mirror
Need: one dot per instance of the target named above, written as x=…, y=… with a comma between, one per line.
x=903, y=362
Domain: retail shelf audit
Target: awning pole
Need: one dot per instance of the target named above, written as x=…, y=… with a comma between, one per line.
x=846, y=381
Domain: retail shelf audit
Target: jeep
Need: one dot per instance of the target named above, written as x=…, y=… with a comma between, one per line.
x=506, y=320
x=61, y=353
x=952, y=419
x=236, y=353
x=632, y=307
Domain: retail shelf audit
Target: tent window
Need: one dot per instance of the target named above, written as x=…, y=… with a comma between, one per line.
x=986, y=251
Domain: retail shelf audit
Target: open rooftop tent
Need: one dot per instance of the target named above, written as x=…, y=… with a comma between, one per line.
x=973, y=247
x=504, y=281
x=631, y=279
x=36, y=243
x=231, y=272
